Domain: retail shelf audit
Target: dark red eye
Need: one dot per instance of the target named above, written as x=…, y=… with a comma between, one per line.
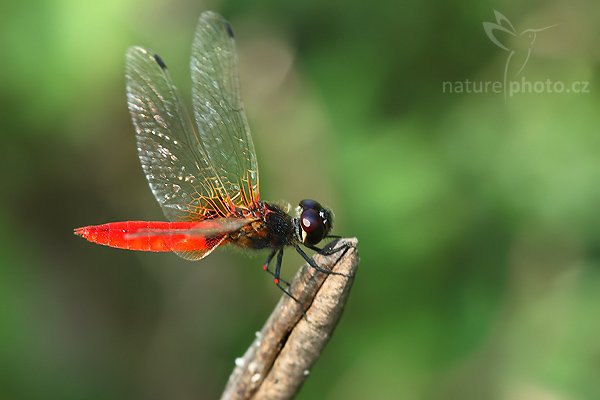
x=307, y=204
x=313, y=226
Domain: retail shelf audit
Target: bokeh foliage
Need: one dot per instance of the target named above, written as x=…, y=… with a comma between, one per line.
x=477, y=216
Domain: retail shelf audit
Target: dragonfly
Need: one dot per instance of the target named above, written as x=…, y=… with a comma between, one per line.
x=205, y=176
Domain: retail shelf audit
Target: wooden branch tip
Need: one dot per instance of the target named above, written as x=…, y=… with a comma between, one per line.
x=292, y=339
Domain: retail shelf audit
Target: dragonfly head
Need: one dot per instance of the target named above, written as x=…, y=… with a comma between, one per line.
x=314, y=222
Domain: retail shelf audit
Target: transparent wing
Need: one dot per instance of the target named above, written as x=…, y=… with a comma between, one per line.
x=202, y=229
x=190, y=240
x=219, y=112
x=179, y=171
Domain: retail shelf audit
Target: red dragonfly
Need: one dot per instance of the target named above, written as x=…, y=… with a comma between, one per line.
x=205, y=177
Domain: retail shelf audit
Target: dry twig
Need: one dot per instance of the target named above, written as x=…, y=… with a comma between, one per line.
x=280, y=358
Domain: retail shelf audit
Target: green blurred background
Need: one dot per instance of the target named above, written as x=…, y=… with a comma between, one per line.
x=477, y=216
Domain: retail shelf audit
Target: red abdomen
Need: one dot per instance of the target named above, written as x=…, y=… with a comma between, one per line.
x=147, y=236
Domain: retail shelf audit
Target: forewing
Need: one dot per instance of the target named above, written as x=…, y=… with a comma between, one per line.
x=219, y=112
x=176, y=165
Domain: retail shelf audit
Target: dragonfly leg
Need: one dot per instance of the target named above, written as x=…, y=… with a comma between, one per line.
x=278, y=281
x=268, y=261
x=324, y=251
x=278, y=266
x=275, y=274
x=328, y=249
x=312, y=262
x=287, y=293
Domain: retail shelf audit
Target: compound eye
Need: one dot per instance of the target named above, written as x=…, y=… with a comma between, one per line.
x=308, y=204
x=313, y=227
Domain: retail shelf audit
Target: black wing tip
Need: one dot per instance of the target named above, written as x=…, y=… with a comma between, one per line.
x=229, y=30
x=212, y=18
x=160, y=61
